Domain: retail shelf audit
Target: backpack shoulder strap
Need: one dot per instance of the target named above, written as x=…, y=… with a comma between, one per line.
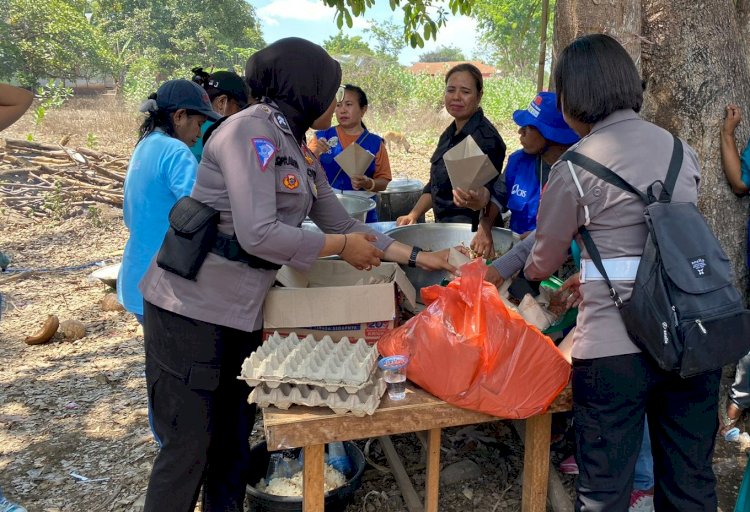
x=588, y=242
x=675, y=164
x=602, y=172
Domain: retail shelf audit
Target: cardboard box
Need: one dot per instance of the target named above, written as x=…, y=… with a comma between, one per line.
x=337, y=300
x=467, y=165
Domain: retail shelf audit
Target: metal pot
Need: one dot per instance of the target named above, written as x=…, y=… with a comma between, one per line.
x=356, y=206
x=399, y=198
x=435, y=237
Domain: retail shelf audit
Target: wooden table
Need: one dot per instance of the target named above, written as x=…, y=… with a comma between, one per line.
x=311, y=428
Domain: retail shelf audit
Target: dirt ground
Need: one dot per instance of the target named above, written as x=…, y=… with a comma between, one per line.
x=80, y=408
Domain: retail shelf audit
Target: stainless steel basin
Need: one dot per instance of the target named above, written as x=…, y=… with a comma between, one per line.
x=436, y=236
x=356, y=206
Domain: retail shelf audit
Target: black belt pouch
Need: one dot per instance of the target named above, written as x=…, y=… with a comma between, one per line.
x=191, y=235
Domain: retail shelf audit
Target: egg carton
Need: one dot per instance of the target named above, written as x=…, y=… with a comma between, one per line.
x=325, y=363
x=363, y=402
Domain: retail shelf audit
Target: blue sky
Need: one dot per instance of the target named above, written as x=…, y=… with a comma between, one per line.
x=314, y=21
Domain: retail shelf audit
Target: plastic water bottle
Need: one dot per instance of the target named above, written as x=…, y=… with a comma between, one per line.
x=732, y=435
x=278, y=467
x=338, y=459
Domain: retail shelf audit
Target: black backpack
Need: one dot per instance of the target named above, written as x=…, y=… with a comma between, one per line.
x=684, y=311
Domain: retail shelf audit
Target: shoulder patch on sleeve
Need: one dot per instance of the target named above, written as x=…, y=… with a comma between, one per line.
x=281, y=122
x=264, y=150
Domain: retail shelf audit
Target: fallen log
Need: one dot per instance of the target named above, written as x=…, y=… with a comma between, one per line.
x=30, y=144
x=108, y=173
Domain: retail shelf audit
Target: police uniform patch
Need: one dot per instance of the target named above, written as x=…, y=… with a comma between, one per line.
x=264, y=150
x=286, y=160
x=281, y=122
x=309, y=156
x=291, y=181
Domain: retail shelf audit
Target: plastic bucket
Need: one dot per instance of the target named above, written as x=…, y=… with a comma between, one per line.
x=335, y=500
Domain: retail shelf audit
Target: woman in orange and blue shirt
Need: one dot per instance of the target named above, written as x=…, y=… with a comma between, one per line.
x=328, y=144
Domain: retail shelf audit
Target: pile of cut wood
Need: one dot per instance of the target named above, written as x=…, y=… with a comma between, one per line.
x=53, y=180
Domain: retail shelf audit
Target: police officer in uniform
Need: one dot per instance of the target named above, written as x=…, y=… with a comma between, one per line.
x=261, y=178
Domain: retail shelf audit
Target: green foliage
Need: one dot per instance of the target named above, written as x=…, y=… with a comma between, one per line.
x=48, y=39
x=510, y=33
x=396, y=91
x=92, y=141
x=55, y=202
x=442, y=54
x=38, y=116
x=388, y=39
x=54, y=39
x=342, y=44
x=141, y=79
x=422, y=18
x=94, y=215
x=53, y=94
x=219, y=34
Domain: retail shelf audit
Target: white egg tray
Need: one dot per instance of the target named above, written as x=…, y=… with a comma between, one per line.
x=363, y=402
x=325, y=364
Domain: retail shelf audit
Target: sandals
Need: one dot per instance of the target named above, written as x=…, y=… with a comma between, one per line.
x=730, y=419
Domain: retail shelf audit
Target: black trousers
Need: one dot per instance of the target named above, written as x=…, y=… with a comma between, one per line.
x=610, y=397
x=200, y=412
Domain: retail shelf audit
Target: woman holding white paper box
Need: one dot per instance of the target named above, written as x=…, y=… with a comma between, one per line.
x=463, y=93
x=328, y=145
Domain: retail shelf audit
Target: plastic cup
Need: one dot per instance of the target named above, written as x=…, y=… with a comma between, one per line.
x=394, y=374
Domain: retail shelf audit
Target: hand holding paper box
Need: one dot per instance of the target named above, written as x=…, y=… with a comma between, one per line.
x=354, y=160
x=468, y=167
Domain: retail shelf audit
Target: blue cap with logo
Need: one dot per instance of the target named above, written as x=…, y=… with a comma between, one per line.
x=543, y=115
x=176, y=94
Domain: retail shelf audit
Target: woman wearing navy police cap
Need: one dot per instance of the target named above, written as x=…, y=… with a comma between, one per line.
x=160, y=172
x=228, y=93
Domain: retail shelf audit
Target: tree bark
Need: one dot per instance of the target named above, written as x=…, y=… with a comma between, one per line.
x=694, y=63
x=620, y=19
x=542, y=46
x=694, y=59
x=743, y=18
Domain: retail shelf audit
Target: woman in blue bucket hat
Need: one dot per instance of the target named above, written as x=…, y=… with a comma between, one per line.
x=544, y=136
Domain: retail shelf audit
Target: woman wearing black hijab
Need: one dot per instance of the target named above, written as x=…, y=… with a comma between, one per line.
x=261, y=178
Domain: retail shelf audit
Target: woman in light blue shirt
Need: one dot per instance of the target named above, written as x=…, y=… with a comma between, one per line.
x=162, y=169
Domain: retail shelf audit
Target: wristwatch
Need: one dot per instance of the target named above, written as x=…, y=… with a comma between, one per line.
x=413, y=258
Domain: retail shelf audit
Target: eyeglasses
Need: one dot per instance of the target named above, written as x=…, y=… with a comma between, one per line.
x=340, y=94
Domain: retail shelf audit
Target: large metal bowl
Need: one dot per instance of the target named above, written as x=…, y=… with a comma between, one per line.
x=356, y=206
x=438, y=236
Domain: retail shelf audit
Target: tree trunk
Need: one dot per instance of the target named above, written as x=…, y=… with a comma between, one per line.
x=694, y=63
x=620, y=19
x=693, y=57
x=743, y=18
x=542, y=46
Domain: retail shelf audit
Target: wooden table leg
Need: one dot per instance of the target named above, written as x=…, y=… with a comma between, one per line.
x=536, y=463
x=432, y=485
x=313, y=478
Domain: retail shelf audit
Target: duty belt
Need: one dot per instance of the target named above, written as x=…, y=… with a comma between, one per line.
x=229, y=247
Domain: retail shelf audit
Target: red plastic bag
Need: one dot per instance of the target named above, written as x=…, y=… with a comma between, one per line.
x=468, y=349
